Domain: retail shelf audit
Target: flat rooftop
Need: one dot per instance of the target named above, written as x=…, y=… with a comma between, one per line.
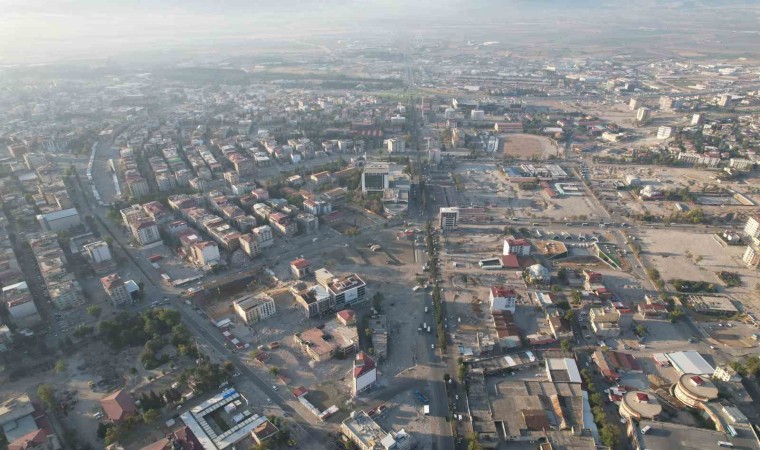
x=690, y=362
x=221, y=421
x=669, y=436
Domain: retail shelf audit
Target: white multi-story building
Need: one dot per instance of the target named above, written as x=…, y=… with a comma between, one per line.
x=344, y=291
x=664, y=132
x=751, y=256
x=449, y=218
x=752, y=227
x=394, y=145
x=364, y=374
x=502, y=298
x=254, y=308
x=145, y=231
x=264, y=236
x=520, y=247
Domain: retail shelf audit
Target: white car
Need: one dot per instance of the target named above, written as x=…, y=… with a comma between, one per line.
x=432, y=346
x=274, y=387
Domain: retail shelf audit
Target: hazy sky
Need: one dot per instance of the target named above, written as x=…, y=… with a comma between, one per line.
x=44, y=30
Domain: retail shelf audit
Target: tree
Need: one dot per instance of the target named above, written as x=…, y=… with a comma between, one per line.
x=94, y=310
x=113, y=434
x=46, y=394
x=566, y=345
x=570, y=315
x=576, y=295
x=610, y=434
x=273, y=370
x=640, y=330
x=473, y=442
x=151, y=415
x=368, y=332
x=698, y=259
x=60, y=366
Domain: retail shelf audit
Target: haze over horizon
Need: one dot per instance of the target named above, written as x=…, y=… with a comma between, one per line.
x=43, y=31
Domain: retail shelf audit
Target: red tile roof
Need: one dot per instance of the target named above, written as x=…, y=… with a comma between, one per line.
x=111, y=281
x=367, y=364
x=29, y=440
x=510, y=261
x=118, y=406
x=502, y=291
x=299, y=263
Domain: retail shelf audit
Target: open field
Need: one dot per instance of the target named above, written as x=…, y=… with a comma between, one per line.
x=526, y=146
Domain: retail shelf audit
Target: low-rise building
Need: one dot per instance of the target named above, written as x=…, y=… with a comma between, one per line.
x=638, y=405
x=254, y=308
x=693, y=390
x=448, y=218
x=118, y=406
x=715, y=305
x=368, y=435
x=300, y=268
x=60, y=220
x=605, y=322
x=25, y=426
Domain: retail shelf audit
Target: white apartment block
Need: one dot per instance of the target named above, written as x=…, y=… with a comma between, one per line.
x=664, y=132
x=254, y=308
x=449, y=218
x=264, y=235
x=752, y=228
x=751, y=256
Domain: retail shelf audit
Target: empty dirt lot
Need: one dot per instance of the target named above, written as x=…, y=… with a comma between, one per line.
x=525, y=146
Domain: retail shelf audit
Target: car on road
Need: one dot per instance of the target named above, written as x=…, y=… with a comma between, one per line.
x=269, y=400
x=432, y=346
x=274, y=387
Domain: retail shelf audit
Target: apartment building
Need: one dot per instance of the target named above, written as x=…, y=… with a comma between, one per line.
x=502, y=298
x=344, y=291
x=448, y=218
x=315, y=300
x=62, y=287
x=752, y=227
x=751, y=256
x=520, y=247
x=254, y=308
x=264, y=236
x=115, y=289
x=250, y=245
x=205, y=253
x=145, y=231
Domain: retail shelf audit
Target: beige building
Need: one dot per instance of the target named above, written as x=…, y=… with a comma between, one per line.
x=115, y=289
x=254, y=308
x=605, y=322
x=638, y=405
x=695, y=390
